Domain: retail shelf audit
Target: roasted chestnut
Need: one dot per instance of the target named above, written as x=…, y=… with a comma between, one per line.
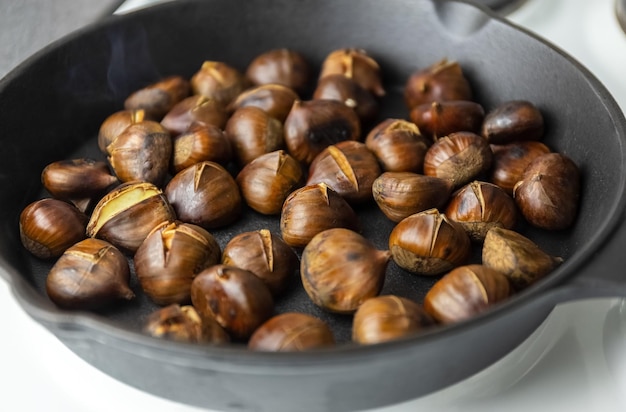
x=184, y=324
x=479, y=206
x=236, y=298
x=291, y=332
x=340, y=269
x=441, y=81
x=252, y=132
x=275, y=99
x=280, y=66
x=513, y=121
x=128, y=213
x=158, y=98
x=349, y=168
x=199, y=143
x=440, y=118
x=386, y=318
x=49, y=226
x=520, y=259
x=398, y=145
x=465, y=292
x=115, y=124
x=510, y=161
x=195, y=108
x=205, y=194
x=170, y=257
x=357, y=65
x=460, y=157
x=346, y=90
x=89, y=275
x=312, y=209
x=549, y=192
x=313, y=125
x=266, y=181
x=428, y=243
x=218, y=81
x=401, y=194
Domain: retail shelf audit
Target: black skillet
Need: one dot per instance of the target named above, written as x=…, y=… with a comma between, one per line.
x=52, y=105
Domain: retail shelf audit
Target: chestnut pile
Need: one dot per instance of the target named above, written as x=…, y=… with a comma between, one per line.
x=185, y=156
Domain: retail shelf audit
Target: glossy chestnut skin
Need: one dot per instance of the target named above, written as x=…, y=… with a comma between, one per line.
x=398, y=145
x=184, y=324
x=169, y=259
x=201, y=142
x=313, y=125
x=520, y=259
x=510, y=161
x=141, y=153
x=511, y=121
x=49, y=226
x=252, y=132
x=357, y=65
x=196, y=108
x=205, y=194
x=386, y=318
x=275, y=99
x=441, y=81
x=266, y=255
x=340, y=269
x=401, y=194
x=346, y=90
x=479, y=206
x=266, y=181
x=549, y=193
x=349, y=168
x=280, y=66
x=237, y=299
x=218, y=81
x=158, y=98
x=441, y=118
x=291, y=332
x=460, y=157
x=465, y=292
x=312, y=209
x=115, y=124
x=429, y=243
x=89, y=275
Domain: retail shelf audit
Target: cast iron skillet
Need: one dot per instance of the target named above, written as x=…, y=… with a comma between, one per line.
x=52, y=105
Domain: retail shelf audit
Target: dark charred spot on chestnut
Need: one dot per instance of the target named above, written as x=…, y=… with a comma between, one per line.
x=330, y=133
x=447, y=251
x=353, y=256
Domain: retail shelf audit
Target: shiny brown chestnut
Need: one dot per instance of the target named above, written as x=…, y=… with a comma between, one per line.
x=89, y=275
x=357, y=65
x=205, y=194
x=199, y=143
x=349, y=168
x=479, y=206
x=280, y=66
x=49, y=226
x=441, y=118
x=237, y=299
x=275, y=99
x=340, y=269
x=388, y=317
x=313, y=125
x=252, y=132
x=510, y=161
x=266, y=255
x=549, y=192
x=465, y=292
x=195, y=108
x=441, y=81
x=460, y=157
x=399, y=145
x=429, y=243
x=128, y=213
x=346, y=90
x=141, y=153
x=291, y=332
x=312, y=209
x=266, y=181
x=518, y=258
x=401, y=194
x=158, y=98
x=115, y=124
x=184, y=324
x=169, y=259
x=513, y=121
x=218, y=81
